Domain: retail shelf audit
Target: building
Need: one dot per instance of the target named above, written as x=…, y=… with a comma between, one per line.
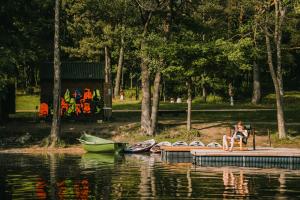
x=74, y=75
x=7, y=101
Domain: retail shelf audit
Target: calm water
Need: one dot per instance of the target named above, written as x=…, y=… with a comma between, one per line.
x=93, y=176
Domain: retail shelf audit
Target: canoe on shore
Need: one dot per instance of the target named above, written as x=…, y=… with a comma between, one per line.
x=179, y=143
x=197, y=144
x=140, y=147
x=157, y=148
x=95, y=144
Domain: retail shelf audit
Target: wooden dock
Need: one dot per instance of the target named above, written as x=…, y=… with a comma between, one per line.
x=262, y=157
x=180, y=154
x=258, y=152
x=207, y=156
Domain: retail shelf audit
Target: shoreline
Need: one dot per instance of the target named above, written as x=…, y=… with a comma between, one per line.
x=72, y=150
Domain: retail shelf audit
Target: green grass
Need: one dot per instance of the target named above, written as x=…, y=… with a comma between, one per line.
x=27, y=102
x=135, y=105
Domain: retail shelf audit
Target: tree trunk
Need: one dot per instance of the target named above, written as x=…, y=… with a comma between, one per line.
x=56, y=125
x=119, y=70
x=155, y=104
x=279, y=17
x=204, y=93
x=145, y=117
x=279, y=97
x=131, y=79
x=107, y=65
x=107, y=86
x=146, y=99
x=256, y=96
x=52, y=175
x=189, y=102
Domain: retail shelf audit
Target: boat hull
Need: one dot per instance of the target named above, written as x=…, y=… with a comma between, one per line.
x=104, y=148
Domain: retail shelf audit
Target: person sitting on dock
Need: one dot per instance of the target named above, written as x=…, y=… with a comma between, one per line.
x=239, y=133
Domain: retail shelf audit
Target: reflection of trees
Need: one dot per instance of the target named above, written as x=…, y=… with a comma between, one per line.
x=189, y=180
x=82, y=189
x=52, y=163
x=41, y=189
x=282, y=186
x=234, y=184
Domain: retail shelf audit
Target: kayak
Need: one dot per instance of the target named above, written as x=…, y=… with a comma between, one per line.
x=214, y=145
x=197, y=144
x=179, y=143
x=157, y=148
x=140, y=147
x=95, y=144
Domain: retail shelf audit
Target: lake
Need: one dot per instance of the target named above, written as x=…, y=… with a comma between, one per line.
x=96, y=176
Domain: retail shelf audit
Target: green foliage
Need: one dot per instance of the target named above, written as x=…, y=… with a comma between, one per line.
x=211, y=42
x=210, y=99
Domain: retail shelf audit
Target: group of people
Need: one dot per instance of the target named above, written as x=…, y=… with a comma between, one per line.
x=240, y=133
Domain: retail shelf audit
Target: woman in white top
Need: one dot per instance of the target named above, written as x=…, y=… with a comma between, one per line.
x=239, y=133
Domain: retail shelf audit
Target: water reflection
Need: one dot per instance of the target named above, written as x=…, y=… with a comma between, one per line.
x=234, y=183
x=96, y=176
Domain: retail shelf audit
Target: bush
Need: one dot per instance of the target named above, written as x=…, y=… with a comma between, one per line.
x=131, y=93
x=209, y=99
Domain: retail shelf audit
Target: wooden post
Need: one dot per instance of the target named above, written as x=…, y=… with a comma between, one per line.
x=269, y=136
x=253, y=139
x=107, y=109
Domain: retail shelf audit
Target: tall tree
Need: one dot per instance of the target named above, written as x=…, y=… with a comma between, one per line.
x=167, y=22
x=119, y=67
x=56, y=119
x=145, y=77
x=256, y=93
x=276, y=74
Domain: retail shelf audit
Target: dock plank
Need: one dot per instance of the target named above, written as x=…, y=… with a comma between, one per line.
x=190, y=148
x=270, y=152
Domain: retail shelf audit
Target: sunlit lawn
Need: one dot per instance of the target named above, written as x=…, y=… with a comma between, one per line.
x=292, y=101
x=27, y=102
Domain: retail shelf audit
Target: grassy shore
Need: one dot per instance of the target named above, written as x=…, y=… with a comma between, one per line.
x=25, y=130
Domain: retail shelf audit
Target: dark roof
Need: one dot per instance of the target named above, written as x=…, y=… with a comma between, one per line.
x=74, y=70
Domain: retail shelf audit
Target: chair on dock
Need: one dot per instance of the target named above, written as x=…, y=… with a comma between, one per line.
x=244, y=141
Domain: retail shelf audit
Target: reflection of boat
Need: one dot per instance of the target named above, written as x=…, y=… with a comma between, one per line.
x=140, y=147
x=156, y=148
x=95, y=160
x=197, y=144
x=179, y=143
x=95, y=144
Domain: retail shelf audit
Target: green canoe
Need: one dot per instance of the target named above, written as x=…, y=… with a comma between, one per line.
x=95, y=144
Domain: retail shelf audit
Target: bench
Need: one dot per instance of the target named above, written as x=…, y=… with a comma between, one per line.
x=251, y=131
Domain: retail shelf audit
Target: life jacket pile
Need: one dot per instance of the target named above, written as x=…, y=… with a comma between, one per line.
x=77, y=103
x=87, y=103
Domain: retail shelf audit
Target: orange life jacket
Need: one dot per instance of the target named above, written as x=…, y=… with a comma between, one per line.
x=78, y=109
x=87, y=94
x=44, y=109
x=86, y=108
